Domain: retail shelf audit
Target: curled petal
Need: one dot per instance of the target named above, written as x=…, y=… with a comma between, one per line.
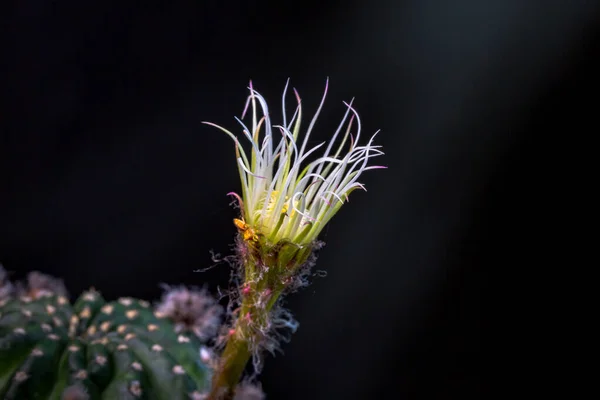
x=286, y=196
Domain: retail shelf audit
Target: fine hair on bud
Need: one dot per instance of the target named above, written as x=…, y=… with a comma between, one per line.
x=279, y=329
x=280, y=324
x=193, y=310
x=300, y=279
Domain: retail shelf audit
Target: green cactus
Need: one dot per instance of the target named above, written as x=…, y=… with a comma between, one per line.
x=93, y=349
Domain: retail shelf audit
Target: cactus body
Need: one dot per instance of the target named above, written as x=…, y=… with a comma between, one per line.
x=50, y=349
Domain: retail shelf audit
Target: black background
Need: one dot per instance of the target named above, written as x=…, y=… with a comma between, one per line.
x=109, y=179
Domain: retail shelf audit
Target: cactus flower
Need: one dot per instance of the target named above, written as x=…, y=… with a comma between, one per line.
x=289, y=192
x=285, y=197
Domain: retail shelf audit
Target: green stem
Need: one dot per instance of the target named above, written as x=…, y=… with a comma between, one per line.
x=266, y=273
x=237, y=351
x=233, y=361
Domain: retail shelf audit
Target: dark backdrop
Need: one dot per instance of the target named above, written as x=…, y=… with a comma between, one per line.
x=109, y=179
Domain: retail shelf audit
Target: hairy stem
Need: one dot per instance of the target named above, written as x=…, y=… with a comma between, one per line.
x=233, y=361
x=268, y=270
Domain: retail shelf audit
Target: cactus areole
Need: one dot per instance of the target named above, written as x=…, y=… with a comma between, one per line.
x=50, y=349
